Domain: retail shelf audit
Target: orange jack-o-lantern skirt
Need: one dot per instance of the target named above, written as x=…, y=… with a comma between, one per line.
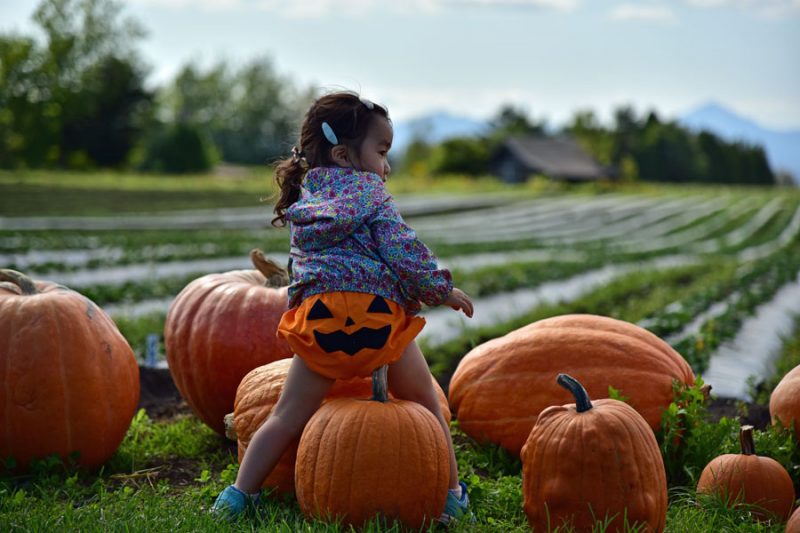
x=346, y=334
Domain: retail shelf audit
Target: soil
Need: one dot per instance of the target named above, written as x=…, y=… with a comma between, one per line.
x=158, y=395
x=162, y=401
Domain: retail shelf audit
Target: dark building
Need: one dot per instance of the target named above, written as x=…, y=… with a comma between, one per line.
x=559, y=158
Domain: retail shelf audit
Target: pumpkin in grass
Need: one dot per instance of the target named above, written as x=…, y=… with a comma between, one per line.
x=69, y=381
x=793, y=525
x=760, y=483
x=501, y=386
x=784, y=402
x=361, y=458
x=256, y=397
x=219, y=328
x=592, y=461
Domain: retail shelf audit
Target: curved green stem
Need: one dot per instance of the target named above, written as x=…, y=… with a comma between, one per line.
x=19, y=279
x=380, y=384
x=582, y=401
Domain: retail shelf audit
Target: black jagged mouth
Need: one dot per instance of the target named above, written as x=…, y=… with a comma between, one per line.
x=364, y=338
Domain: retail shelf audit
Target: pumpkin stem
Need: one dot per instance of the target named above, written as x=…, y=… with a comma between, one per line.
x=230, y=427
x=276, y=276
x=746, y=440
x=582, y=401
x=380, y=384
x=19, y=279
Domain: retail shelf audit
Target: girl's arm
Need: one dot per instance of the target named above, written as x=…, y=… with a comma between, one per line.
x=409, y=258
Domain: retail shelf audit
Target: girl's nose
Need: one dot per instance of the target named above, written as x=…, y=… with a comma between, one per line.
x=387, y=168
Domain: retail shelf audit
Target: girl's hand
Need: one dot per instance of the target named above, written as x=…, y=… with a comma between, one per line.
x=458, y=300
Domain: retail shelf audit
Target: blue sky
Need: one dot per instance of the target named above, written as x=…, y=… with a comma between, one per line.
x=468, y=57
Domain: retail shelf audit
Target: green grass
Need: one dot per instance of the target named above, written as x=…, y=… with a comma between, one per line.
x=166, y=474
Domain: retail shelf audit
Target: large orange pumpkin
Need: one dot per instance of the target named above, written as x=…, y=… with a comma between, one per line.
x=592, y=461
x=361, y=458
x=784, y=402
x=259, y=392
x=760, y=482
x=501, y=386
x=793, y=525
x=219, y=328
x=69, y=381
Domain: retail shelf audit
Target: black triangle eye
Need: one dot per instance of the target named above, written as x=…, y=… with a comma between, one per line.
x=319, y=311
x=379, y=305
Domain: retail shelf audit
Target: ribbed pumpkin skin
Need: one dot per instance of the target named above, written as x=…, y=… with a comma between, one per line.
x=784, y=402
x=793, y=525
x=219, y=328
x=259, y=392
x=359, y=458
x=604, y=461
x=501, y=386
x=69, y=380
x=761, y=481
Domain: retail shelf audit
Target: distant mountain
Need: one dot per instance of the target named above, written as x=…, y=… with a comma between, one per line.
x=782, y=147
x=434, y=128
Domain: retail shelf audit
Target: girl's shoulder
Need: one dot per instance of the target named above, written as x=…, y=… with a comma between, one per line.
x=342, y=180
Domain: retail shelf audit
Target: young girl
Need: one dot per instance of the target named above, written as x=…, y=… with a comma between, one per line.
x=350, y=251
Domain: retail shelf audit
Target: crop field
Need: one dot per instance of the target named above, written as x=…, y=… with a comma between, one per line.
x=715, y=272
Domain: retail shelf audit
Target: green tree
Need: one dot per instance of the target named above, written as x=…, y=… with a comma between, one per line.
x=251, y=114
x=460, y=155
x=79, y=95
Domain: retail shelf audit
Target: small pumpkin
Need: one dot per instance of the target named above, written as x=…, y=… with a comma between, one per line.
x=793, y=525
x=360, y=458
x=784, y=402
x=592, y=461
x=501, y=386
x=219, y=328
x=69, y=381
x=256, y=397
x=747, y=478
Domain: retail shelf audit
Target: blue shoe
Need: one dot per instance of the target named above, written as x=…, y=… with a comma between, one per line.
x=232, y=502
x=456, y=509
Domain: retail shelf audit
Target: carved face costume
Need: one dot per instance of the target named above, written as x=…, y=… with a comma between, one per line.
x=345, y=334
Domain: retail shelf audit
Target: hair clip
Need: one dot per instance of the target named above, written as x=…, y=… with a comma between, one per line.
x=328, y=132
x=297, y=155
x=368, y=103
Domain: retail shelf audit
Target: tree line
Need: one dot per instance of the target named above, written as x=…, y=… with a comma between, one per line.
x=77, y=98
x=633, y=148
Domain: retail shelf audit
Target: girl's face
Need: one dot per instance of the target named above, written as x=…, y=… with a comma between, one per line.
x=372, y=156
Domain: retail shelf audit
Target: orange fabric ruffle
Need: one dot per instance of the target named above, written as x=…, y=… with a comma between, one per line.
x=347, y=334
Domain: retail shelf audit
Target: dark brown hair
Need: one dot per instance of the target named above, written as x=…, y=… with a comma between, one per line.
x=348, y=116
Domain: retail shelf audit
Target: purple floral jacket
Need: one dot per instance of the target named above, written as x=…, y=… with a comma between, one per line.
x=347, y=235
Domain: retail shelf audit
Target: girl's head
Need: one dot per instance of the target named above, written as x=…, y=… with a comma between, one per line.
x=340, y=129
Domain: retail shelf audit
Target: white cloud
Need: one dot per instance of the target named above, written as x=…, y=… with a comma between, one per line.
x=559, y=5
x=648, y=12
x=766, y=8
x=320, y=8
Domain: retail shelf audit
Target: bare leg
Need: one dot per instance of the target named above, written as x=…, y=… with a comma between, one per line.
x=410, y=379
x=302, y=394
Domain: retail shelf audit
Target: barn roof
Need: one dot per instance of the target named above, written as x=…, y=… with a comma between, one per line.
x=557, y=157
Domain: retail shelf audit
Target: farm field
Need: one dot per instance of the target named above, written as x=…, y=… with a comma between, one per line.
x=713, y=271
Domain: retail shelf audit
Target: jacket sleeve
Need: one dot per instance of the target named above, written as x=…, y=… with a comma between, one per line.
x=409, y=258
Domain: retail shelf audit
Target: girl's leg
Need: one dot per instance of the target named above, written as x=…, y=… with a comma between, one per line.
x=302, y=394
x=410, y=379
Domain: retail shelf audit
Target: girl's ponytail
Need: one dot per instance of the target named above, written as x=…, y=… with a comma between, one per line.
x=349, y=116
x=289, y=175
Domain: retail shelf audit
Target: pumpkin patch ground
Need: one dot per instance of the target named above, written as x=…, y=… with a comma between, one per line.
x=692, y=266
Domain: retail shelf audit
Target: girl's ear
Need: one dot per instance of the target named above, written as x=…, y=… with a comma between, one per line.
x=340, y=156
